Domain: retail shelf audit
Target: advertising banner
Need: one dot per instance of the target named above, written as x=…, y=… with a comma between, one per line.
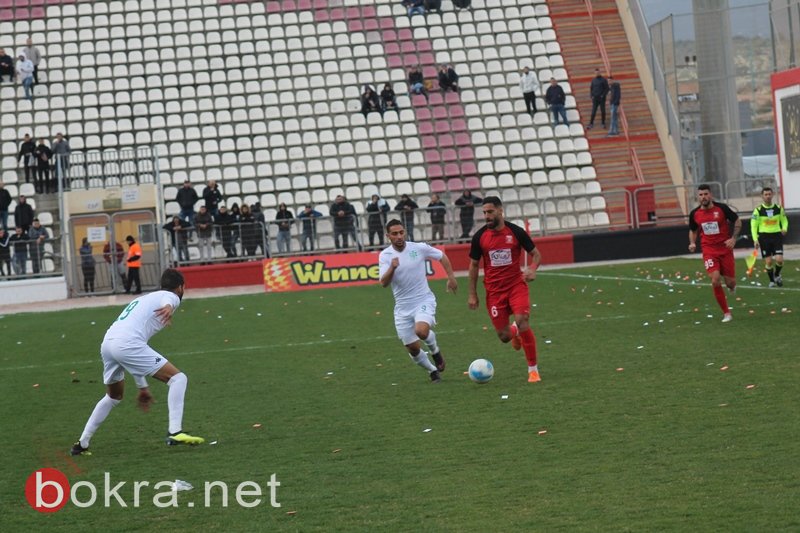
x=287, y=274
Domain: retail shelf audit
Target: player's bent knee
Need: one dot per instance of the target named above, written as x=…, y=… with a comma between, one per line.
x=179, y=378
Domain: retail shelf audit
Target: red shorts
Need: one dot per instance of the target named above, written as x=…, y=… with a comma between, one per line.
x=501, y=305
x=720, y=261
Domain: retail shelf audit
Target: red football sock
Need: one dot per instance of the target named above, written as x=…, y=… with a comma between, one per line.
x=719, y=294
x=529, y=345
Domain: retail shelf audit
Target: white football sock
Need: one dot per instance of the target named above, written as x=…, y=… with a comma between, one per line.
x=422, y=360
x=431, y=342
x=534, y=368
x=177, y=390
x=101, y=410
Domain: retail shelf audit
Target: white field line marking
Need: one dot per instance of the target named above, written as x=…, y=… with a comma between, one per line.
x=665, y=281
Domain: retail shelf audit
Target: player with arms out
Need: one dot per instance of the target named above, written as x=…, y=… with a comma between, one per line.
x=768, y=225
x=404, y=266
x=501, y=244
x=125, y=347
x=713, y=221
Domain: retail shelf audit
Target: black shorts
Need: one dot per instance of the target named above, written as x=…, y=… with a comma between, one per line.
x=771, y=244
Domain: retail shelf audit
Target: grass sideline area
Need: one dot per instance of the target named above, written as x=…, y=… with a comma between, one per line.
x=651, y=414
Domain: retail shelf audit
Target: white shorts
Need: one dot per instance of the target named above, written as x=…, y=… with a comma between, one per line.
x=404, y=320
x=137, y=360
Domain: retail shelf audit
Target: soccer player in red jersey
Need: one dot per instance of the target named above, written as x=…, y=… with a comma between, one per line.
x=501, y=244
x=713, y=221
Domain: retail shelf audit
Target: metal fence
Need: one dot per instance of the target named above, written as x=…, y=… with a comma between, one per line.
x=28, y=259
x=110, y=168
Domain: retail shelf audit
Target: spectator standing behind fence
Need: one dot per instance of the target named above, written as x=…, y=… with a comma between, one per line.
x=87, y=265
x=309, y=216
x=370, y=101
x=61, y=151
x=23, y=214
x=37, y=235
x=406, y=207
x=616, y=95
x=25, y=155
x=376, y=219
x=261, y=227
x=19, y=241
x=118, y=259
x=437, y=210
x=344, y=222
x=204, y=224
x=529, y=85
x=212, y=197
x=5, y=203
x=250, y=231
x=284, y=220
x=25, y=75
x=179, y=236
x=225, y=222
x=466, y=214
x=44, y=157
x=598, y=91
x=448, y=80
x=33, y=53
x=134, y=266
x=5, y=253
x=186, y=199
x=6, y=66
x=416, y=82
x=389, y=99
x=556, y=99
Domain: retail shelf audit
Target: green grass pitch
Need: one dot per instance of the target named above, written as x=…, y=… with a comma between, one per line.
x=652, y=415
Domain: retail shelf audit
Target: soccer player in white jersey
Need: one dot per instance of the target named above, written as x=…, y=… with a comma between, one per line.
x=125, y=347
x=403, y=265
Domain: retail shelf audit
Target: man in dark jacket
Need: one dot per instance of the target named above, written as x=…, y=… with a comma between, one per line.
x=212, y=197
x=178, y=233
x=406, y=207
x=376, y=219
x=5, y=254
x=6, y=66
x=370, y=101
x=36, y=235
x=44, y=158
x=19, y=242
x=448, y=79
x=25, y=155
x=5, y=203
x=437, y=210
x=466, y=214
x=556, y=99
x=344, y=222
x=204, y=224
x=416, y=82
x=186, y=199
x=225, y=221
x=616, y=96
x=598, y=91
x=23, y=214
x=309, y=216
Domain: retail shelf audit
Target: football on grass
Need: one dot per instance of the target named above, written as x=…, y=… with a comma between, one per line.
x=481, y=370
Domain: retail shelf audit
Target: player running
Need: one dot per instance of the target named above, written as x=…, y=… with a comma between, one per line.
x=403, y=264
x=713, y=221
x=501, y=244
x=125, y=347
x=768, y=225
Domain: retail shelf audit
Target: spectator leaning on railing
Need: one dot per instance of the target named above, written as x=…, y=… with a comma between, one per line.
x=37, y=235
x=204, y=224
x=5, y=253
x=437, y=210
x=19, y=240
x=308, y=217
x=251, y=234
x=186, y=199
x=179, y=236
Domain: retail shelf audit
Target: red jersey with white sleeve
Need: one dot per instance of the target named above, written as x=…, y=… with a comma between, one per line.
x=501, y=252
x=714, y=225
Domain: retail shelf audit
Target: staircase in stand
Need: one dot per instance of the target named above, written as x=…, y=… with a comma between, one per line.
x=612, y=155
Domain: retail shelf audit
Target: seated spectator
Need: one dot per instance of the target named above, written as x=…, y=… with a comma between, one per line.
x=415, y=7
x=433, y=5
x=6, y=66
x=369, y=101
x=388, y=98
x=448, y=79
x=416, y=82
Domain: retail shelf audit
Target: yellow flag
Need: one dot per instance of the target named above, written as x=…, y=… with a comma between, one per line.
x=750, y=261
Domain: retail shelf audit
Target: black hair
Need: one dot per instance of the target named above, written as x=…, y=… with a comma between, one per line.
x=765, y=189
x=494, y=200
x=703, y=187
x=171, y=279
x=394, y=222
x=130, y=238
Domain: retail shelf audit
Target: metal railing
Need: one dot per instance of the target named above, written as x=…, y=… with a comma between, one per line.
x=27, y=258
